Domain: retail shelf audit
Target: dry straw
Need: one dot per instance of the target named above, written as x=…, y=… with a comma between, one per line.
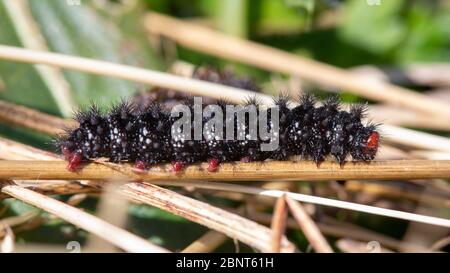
x=238, y=171
x=119, y=237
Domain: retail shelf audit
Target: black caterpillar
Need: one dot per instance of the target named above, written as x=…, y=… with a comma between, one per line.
x=144, y=136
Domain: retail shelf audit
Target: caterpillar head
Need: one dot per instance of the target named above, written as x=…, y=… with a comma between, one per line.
x=365, y=144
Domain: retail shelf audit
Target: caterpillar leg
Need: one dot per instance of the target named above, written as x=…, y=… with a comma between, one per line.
x=213, y=164
x=140, y=165
x=74, y=162
x=73, y=158
x=177, y=166
x=246, y=159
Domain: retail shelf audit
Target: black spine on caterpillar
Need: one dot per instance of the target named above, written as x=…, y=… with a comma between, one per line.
x=285, y=118
x=151, y=139
x=146, y=137
x=121, y=126
x=298, y=132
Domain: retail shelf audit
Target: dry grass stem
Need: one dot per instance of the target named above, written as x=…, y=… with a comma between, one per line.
x=119, y=237
x=25, y=117
x=440, y=244
x=238, y=171
x=13, y=221
x=7, y=243
x=193, y=86
x=17, y=220
x=426, y=74
x=315, y=200
x=210, y=241
x=399, y=192
x=59, y=187
x=309, y=228
x=336, y=229
x=435, y=155
x=14, y=150
x=415, y=139
x=232, y=225
x=278, y=224
x=404, y=117
x=113, y=208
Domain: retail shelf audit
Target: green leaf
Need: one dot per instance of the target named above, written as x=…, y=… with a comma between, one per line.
x=81, y=30
x=232, y=17
x=18, y=207
x=304, y=4
x=147, y=212
x=273, y=16
x=376, y=28
x=428, y=39
x=21, y=83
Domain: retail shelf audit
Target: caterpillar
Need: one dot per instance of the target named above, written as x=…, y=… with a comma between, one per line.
x=146, y=136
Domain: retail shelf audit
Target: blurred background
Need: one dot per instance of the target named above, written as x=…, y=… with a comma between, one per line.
x=406, y=42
